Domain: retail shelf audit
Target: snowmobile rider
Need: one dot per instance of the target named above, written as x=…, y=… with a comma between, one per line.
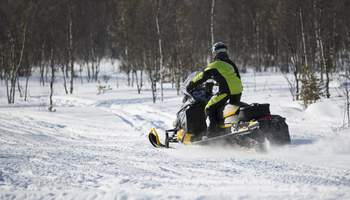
x=225, y=73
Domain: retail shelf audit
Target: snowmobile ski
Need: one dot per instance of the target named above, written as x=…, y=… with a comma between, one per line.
x=154, y=139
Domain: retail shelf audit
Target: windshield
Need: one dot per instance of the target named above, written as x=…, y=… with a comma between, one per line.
x=187, y=81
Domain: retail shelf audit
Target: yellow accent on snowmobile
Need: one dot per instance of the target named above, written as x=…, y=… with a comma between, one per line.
x=187, y=139
x=225, y=125
x=230, y=110
x=251, y=124
x=183, y=137
x=154, y=138
x=180, y=135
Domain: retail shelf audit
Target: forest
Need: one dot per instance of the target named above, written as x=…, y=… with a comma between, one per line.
x=168, y=39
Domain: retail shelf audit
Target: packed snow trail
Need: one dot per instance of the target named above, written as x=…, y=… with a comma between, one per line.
x=96, y=147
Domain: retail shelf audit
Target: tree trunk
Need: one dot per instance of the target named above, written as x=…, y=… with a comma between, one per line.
x=92, y=70
x=139, y=83
x=153, y=78
x=52, y=65
x=70, y=48
x=303, y=37
x=154, y=90
x=19, y=87
x=212, y=21
x=64, y=80
x=42, y=70
x=347, y=95
x=161, y=67
x=132, y=78
x=348, y=105
x=128, y=77
x=296, y=67
x=319, y=53
x=178, y=79
x=88, y=71
x=42, y=65
x=81, y=73
x=328, y=95
x=7, y=90
x=256, y=24
x=141, y=78
x=26, y=90
x=16, y=66
x=97, y=68
x=296, y=78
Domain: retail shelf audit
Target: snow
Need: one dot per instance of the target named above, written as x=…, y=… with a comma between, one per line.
x=96, y=147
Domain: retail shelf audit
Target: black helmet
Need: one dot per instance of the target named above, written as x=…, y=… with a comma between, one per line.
x=218, y=48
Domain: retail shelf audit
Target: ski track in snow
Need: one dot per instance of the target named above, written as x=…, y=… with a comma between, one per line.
x=98, y=149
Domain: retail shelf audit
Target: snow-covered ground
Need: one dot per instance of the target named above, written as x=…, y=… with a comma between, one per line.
x=96, y=147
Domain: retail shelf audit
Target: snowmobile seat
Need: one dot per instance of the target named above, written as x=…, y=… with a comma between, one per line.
x=231, y=109
x=229, y=113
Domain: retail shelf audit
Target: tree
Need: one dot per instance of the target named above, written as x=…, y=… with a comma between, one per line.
x=310, y=90
x=160, y=44
x=212, y=12
x=346, y=90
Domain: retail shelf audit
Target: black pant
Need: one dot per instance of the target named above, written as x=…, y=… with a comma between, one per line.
x=235, y=99
x=213, y=110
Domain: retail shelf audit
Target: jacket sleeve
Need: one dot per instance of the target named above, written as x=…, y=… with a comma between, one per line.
x=208, y=73
x=197, y=80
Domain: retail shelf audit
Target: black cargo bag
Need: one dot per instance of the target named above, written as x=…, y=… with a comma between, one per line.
x=275, y=130
x=253, y=111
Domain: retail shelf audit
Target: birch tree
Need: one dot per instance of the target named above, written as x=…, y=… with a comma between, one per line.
x=70, y=47
x=161, y=59
x=212, y=21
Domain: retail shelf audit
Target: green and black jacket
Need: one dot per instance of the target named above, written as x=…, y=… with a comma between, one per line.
x=225, y=74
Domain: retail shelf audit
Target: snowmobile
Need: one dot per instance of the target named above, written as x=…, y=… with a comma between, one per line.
x=243, y=125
